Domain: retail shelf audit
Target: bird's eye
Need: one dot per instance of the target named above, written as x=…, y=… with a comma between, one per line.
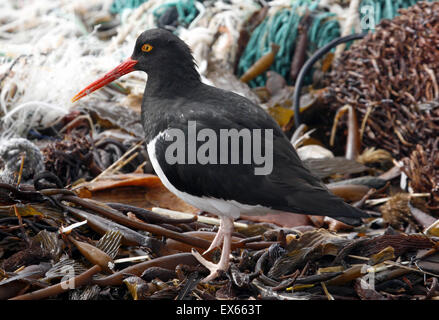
x=147, y=47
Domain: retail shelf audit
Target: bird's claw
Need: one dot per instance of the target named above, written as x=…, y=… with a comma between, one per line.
x=215, y=269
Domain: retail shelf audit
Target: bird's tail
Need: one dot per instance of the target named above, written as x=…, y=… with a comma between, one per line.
x=324, y=203
x=355, y=222
x=355, y=215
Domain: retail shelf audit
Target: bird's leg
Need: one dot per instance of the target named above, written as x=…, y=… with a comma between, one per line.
x=217, y=240
x=226, y=229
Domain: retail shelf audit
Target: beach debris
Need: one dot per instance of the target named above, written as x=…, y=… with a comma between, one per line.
x=79, y=201
x=16, y=153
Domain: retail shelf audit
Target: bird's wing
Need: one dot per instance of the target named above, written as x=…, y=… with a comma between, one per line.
x=289, y=187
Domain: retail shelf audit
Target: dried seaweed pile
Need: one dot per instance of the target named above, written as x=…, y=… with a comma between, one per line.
x=391, y=78
x=115, y=238
x=109, y=236
x=80, y=157
x=422, y=168
x=268, y=262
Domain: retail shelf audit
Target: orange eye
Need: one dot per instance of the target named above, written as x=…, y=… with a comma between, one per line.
x=146, y=47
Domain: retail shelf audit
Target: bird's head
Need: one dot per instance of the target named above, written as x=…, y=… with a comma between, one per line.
x=160, y=54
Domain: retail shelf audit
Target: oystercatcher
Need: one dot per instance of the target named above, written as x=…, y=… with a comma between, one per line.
x=215, y=149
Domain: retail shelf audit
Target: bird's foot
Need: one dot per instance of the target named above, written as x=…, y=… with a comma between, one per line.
x=224, y=235
x=215, y=269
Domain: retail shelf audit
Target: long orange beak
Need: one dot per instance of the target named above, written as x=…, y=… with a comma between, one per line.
x=125, y=67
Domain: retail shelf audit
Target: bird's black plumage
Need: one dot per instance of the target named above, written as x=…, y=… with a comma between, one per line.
x=174, y=95
x=175, y=99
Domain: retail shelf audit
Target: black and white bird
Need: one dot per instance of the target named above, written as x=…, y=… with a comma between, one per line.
x=202, y=169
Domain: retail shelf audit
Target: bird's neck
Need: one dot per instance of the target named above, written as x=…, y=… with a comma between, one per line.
x=175, y=82
x=164, y=93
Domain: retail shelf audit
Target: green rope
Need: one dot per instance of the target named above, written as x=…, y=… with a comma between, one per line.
x=282, y=29
x=186, y=11
x=119, y=5
x=185, y=8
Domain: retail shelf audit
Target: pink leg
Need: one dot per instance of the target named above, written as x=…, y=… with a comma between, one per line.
x=226, y=229
x=218, y=240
